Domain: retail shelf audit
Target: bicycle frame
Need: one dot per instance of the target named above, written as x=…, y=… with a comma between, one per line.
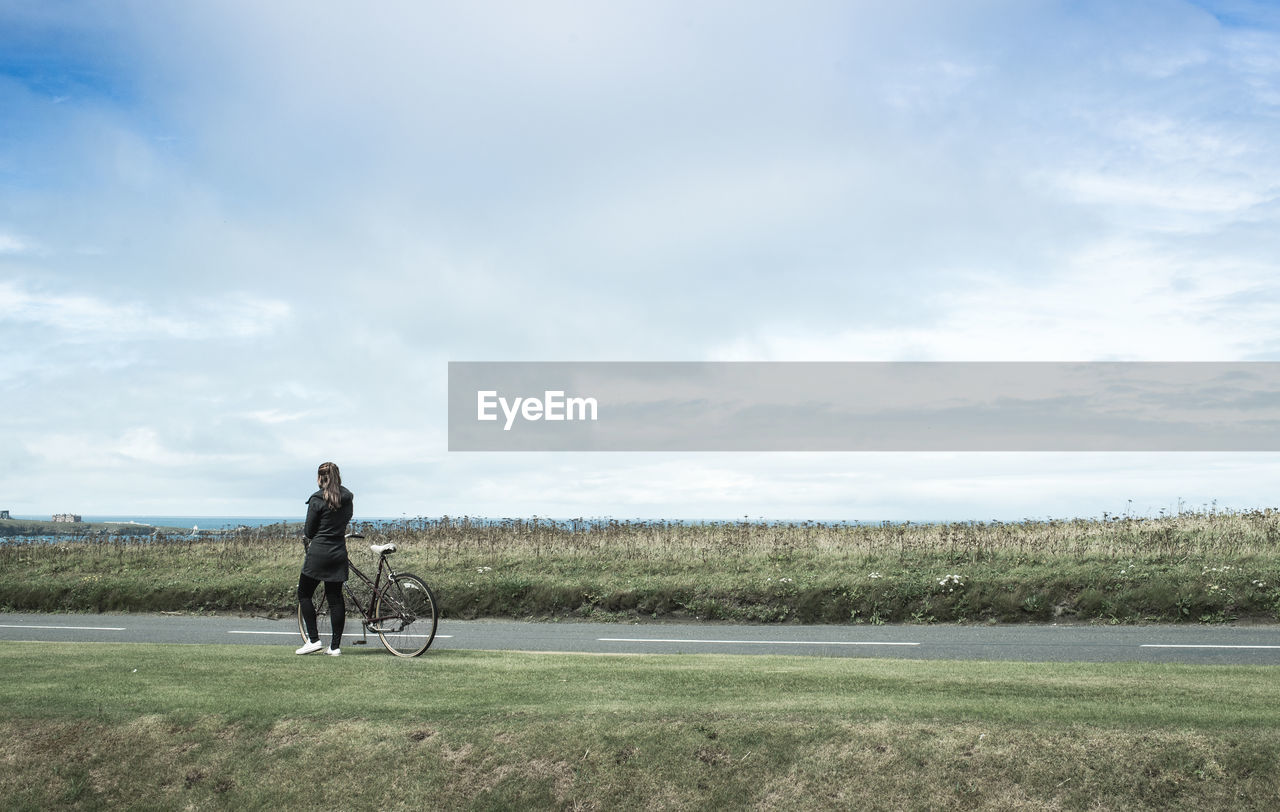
x=376, y=587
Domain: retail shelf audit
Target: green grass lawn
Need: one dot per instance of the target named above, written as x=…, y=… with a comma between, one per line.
x=112, y=725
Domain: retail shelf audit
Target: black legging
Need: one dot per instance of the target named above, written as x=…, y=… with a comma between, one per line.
x=337, y=607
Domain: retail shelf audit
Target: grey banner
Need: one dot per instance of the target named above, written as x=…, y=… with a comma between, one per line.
x=891, y=406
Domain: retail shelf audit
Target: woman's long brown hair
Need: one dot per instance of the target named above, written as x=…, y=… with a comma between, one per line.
x=330, y=484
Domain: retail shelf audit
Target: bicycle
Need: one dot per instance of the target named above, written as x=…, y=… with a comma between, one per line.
x=397, y=602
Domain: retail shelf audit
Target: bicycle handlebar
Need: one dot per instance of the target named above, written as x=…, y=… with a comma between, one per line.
x=306, y=542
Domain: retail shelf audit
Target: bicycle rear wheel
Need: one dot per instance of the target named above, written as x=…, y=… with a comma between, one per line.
x=407, y=615
x=324, y=624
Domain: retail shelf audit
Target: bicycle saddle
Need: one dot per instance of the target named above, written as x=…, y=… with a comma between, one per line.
x=382, y=549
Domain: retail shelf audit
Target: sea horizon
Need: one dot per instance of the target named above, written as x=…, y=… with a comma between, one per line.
x=204, y=522
x=192, y=522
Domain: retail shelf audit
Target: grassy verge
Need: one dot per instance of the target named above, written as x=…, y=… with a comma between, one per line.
x=32, y=527
x=1190, y=568
x=248, y=727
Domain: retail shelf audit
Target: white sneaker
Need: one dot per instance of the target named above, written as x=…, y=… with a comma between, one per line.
x=333, y=652
x=310, y=647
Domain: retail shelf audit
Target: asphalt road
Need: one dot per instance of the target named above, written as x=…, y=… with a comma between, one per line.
x=1223, y=645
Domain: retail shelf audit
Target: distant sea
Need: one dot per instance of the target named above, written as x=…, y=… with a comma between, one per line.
x=202, y=522
x=231, y=522
x=228, y=522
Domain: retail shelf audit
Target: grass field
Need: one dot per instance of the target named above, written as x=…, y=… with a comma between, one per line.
x=32, y=527
x=235, y=727
x=1203, y=567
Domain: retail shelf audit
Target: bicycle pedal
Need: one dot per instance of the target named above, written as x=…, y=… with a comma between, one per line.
x=358, y=642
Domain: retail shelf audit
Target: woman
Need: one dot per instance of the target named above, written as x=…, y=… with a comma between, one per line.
x=328, y=511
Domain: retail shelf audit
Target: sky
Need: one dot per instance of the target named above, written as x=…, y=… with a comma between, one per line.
x=238, y=239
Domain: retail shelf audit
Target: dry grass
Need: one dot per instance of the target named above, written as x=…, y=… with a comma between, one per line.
x=1210, y=567
x=1212, y=534
x=732, y=761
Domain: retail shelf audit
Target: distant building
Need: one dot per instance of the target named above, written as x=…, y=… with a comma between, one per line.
x=67, y=517
x=4, y=514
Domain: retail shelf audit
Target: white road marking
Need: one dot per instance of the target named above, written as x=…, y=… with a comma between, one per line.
x=751, y=642
x=74, y=628
x=295, y=634
x=1190, y=645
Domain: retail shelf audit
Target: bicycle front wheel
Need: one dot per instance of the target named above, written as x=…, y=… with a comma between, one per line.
x=324, y=623
x=407, y=616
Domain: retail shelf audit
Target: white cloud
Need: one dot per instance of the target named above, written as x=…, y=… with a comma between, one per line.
x=82, y=317
x=931, y=85
x=1112, y=189
x=1118, y=300
x=144, y=445
x=12, y=244
x=833, y=487
x=273, y=416
x=711, y=201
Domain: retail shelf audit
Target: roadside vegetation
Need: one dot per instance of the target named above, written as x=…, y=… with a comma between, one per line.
x=30, y=528
x=108, y=726
x=1206, y=567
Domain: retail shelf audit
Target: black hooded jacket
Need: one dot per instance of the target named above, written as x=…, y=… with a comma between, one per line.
x=326, y=527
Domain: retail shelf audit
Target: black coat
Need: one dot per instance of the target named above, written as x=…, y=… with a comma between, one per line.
x=326, y=527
